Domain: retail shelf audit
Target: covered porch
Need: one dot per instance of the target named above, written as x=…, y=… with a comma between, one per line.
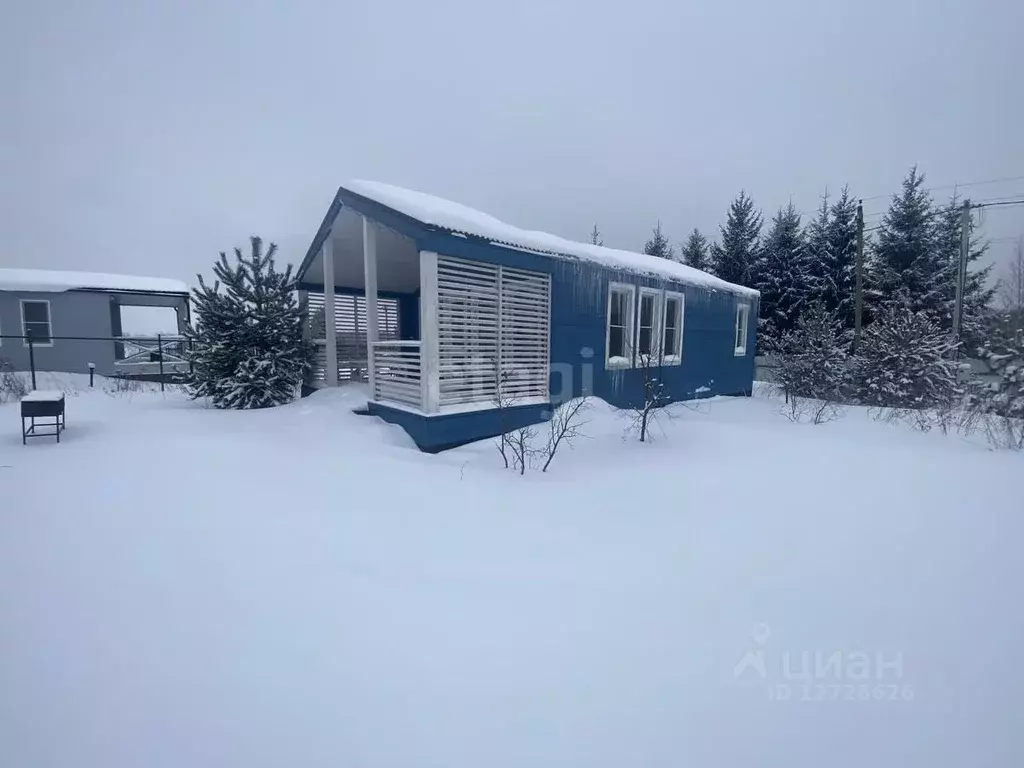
x=431, y=335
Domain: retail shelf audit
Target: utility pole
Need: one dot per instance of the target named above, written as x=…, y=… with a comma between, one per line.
x=859, y=300
x=961, y=272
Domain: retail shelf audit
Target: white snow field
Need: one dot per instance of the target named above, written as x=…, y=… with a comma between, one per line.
x=181, y=586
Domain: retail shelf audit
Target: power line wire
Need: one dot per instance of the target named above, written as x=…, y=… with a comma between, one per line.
x=957, y=185
x=996, y=201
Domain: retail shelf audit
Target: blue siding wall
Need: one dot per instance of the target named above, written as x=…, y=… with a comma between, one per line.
x=438, y=433
x=579, y=306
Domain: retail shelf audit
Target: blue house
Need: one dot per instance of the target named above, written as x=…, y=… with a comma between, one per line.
x=466, y=327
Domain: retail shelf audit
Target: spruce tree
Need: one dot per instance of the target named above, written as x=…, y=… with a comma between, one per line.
x=248, y=346
x=832, y=256
x=659, y=245
x=696, y=251
x=819, y=252
x=735, y=259
x=977, y=293
x=782, y=275
x=595, y=236
x=906, y=262
x=839, y=270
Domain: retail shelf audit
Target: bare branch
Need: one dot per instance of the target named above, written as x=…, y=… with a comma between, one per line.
x=564, y=427
x=655, y=398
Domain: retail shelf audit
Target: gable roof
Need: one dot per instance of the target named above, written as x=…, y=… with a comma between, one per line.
x=58, y=281
x=436, y=213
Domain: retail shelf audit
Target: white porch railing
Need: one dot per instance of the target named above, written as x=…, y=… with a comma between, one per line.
x=397, y=372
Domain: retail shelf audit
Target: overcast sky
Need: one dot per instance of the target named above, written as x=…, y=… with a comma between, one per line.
x=144, y=136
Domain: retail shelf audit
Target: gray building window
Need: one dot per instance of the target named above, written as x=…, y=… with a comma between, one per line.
x=35, y=321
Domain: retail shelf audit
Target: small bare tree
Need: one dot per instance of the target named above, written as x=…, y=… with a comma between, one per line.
x=655, y=397
x=564, y=427
x=520, y=443
x=515, y=444
x=503, y=402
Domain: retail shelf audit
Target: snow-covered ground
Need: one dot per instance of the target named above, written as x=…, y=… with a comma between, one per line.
x=187, y=587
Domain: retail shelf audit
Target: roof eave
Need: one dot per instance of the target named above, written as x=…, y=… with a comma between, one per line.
x=400, y=222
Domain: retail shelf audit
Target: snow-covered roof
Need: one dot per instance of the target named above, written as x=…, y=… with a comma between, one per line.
x=461, y=219
x=57, y=281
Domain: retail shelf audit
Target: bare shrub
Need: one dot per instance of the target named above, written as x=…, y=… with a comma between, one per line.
x=520, y=446
x=811, y=410
x=123, y=386
x=12, y=385
x=516, y=445
x=564, y=427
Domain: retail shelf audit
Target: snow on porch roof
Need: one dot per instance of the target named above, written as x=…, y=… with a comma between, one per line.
x=56, y=281
x=454, y=217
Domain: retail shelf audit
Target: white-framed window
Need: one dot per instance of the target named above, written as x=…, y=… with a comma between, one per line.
x=619, y=338
x=648, y=329
x=742, y=320
x=672, y=328
x=35, y=322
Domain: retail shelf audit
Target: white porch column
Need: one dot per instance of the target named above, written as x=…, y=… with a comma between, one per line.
x=430, y=357
x=303, y=301
x=370, y=272
x=330, y=330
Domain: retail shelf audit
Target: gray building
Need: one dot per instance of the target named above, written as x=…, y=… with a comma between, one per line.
x=75, y=318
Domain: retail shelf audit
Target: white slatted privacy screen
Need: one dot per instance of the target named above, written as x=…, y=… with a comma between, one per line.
x=350, y=327
x=493, y=329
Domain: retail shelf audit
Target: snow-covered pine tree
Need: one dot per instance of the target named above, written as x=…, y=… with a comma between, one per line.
x=781, y=275
x=818, y=249
x=595, y=236
x=659, y=245
x=812, y=357
x=904, y=361
x=832, y=256
x=841, y=263
x=978, y=294
x=1005, y=357
x=248, y=346
x=1002, y=401
x=735, y=258
x=906, y=262
x=696, y=251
